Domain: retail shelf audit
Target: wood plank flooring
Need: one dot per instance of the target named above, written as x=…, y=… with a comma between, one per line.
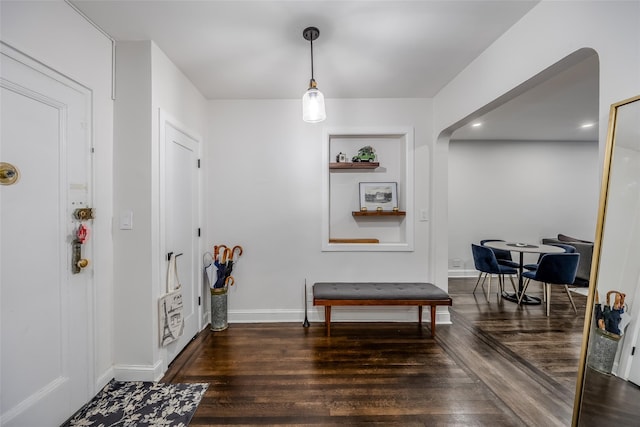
x=496, y=365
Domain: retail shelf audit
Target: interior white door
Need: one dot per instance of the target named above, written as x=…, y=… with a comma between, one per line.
x=46, y=357
x=181, y=218
x=634, y=370
x=634, y=334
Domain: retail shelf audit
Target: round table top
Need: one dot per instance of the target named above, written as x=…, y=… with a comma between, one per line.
x=525, y=247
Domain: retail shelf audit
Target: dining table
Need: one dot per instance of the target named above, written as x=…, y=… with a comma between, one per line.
x=523, y=248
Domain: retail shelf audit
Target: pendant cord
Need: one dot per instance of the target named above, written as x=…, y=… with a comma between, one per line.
x=311, y=59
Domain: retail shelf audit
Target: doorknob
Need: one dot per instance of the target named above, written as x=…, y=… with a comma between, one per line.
x=9, y=174
x=77, y=262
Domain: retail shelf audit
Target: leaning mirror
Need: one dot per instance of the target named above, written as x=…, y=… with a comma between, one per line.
x=608, y=385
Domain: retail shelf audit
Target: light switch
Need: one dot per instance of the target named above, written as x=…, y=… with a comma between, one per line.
x=424, y=215
x=126, y=220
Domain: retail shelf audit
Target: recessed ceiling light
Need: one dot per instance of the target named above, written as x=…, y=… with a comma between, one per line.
x=477, y=124
x=587, y=125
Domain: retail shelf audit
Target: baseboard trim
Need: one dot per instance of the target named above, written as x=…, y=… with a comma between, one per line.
x=138, y=372
x=104, y=379
x=457, y=274
x=339, y=314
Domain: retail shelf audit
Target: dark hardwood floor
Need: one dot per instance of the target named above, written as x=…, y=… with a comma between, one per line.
x=497, y=365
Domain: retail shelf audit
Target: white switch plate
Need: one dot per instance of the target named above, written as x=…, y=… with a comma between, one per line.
x=424, y=215
x=126, y=220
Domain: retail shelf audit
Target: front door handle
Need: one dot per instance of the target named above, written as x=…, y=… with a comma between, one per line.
x=77, y=262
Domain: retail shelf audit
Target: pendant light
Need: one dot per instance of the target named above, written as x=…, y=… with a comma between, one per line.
x=312, y=100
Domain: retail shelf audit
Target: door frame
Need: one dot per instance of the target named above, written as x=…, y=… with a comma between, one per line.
x=165, y=118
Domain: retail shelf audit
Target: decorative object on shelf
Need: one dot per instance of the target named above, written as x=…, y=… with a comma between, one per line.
x=379, y=196
x=313, y=100
x=395, y=209
x=365, y=154
x=341, y=157
x=363, y=209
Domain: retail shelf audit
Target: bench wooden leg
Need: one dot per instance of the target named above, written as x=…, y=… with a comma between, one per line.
x=327, y=319
x=433, y=321
x=420, y=314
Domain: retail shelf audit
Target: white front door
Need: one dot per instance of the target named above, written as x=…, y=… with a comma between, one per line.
x=46, y=358
x=181, y=218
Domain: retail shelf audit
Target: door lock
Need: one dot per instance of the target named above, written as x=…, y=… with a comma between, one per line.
x=83, y=214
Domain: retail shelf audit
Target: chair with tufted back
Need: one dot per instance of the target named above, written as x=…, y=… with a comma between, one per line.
x=503, y=257
x=554, y=269
x=487, y=264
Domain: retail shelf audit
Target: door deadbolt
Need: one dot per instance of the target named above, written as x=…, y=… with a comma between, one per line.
x=83, y=214
x=9, y=174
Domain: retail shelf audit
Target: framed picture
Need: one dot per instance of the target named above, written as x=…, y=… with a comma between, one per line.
x=378, y=194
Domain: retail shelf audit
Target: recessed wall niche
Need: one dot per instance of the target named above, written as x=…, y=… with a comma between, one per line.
x=345, y=227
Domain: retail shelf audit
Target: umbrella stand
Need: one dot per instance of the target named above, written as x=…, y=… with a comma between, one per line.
x=223, y=260
x=605, y=335
x=219, y=309
x=602, y=350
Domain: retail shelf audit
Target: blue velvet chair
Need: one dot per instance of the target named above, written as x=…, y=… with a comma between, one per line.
x=503, y=257
x=487, y=264
x=568, y=249
x=554, y=269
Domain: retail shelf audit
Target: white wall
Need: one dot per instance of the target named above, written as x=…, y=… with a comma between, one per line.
x=519, y=191
x=133, y=287
x=56, y=35
x=147, y=82
x=548, y=33
x=179, y=101
x=264, y=191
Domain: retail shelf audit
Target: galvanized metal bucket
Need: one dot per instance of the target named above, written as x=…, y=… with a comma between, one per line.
x=602, y=350
x=219, y=309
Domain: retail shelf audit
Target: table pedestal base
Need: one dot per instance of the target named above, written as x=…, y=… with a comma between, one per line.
x=527, y=300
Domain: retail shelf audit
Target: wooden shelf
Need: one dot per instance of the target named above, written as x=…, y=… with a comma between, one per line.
x=376, y=213
x=337, y=240
x=354, y=165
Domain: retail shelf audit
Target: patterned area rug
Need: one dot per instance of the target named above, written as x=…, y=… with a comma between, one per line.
x=127, y=404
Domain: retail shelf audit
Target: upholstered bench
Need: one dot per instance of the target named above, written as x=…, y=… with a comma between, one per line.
x=347, y=293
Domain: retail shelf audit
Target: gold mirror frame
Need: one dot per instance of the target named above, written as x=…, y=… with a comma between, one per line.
x=602, y=211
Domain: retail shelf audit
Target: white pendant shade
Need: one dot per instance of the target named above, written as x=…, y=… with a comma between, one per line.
x=313, y=106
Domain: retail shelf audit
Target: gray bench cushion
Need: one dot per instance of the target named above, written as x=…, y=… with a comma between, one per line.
x=378, y=291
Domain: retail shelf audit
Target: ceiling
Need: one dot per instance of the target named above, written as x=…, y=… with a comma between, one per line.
x=367, y=49
x=556, y=109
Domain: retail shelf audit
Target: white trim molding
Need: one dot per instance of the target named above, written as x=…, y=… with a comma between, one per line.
x=138, y=372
